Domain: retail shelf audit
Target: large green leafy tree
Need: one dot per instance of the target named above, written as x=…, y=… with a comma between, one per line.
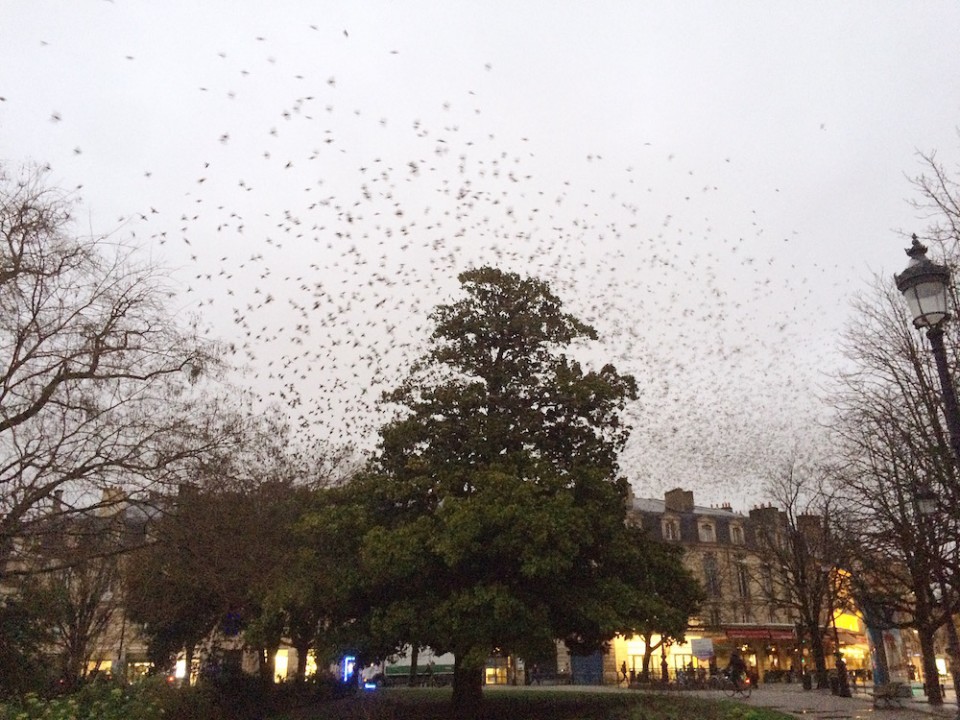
x=669, y=594
x=497, y=511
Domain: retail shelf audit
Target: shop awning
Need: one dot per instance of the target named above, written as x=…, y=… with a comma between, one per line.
x=760, y=633
x=849, y=638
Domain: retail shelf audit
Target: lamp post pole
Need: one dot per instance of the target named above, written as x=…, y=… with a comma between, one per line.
x=951, y=410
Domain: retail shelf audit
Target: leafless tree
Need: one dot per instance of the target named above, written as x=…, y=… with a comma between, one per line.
x=895, y=445
x=98, y=390
x=795, y=543
x=76, y=589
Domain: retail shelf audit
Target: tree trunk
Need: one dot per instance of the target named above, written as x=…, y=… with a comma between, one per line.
x=467, y=690
x=414, y=656
x=648, y=648
x=188, y=662
x=931, y=677
x=819, y=655
x=953, y=646
x=303, y=649
x=645, y=666
x=268, y=656
x=74, y=663
x=881, y=668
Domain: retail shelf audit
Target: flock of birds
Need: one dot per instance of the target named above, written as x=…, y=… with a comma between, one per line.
x=313, y=237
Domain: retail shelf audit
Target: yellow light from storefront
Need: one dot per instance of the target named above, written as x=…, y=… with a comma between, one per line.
x=855, y=652
x=280, y=664
x=311, y=664
x=846, y=621
x=99, y=666
x=636, y=646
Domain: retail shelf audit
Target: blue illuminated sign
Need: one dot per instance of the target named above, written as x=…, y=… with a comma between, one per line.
x=349, y=666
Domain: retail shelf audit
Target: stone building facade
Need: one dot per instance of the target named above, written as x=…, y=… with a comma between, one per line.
x=742, y=608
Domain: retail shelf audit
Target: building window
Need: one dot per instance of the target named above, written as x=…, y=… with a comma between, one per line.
x=716, y=618
x=769, y=587
x=671, y=529
x=736, y=535
x=743, y=580
x=710, y=575
x=707, y=533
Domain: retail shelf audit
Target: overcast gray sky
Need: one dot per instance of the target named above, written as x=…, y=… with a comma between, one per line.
x=705, y=182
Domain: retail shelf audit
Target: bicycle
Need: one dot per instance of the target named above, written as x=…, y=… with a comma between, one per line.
x=737, y=686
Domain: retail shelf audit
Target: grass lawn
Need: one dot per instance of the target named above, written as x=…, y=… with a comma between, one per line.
x=430, y=704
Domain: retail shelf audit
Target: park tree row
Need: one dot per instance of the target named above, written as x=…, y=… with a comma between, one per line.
x=491, y=517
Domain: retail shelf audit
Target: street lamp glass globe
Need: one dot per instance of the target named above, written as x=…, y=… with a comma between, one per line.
x=927, y=301
x=924, y=285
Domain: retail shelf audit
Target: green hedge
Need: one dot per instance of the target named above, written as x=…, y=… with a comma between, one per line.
x=100, y=701
x=240, y=697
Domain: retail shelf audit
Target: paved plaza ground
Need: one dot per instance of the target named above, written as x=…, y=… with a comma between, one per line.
x=823, y=705
x=812, y=704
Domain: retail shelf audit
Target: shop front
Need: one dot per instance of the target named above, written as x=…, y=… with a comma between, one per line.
x=770, y=651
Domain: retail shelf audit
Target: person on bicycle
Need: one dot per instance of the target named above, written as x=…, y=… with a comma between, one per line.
x=736, y=668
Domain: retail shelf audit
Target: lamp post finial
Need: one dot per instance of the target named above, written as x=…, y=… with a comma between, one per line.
x=917, y=249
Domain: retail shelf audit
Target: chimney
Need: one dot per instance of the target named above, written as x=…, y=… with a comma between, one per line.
x=766, y=514
x=678, y=500
x=112, y=501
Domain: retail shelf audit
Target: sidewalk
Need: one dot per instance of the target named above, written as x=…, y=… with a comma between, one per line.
x=794, y=700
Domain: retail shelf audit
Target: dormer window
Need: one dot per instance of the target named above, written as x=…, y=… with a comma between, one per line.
x=736, y=535
x=707, y=532
x=670, y=528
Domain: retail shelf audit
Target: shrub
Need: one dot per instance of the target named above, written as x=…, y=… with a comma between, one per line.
x=240, y=697
x=96, y=701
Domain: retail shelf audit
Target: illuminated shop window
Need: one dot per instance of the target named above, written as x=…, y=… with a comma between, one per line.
x=280, y=664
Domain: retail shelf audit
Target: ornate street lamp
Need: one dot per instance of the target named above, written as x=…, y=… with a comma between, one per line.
x=925, y=286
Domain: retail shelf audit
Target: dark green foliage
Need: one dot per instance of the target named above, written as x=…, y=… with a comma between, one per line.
x=23, y=634
x=496, y=517
x=229, y=698
x=533, y=705
x=219, y=556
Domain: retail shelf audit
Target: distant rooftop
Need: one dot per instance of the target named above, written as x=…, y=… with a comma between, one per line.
x=659, y=506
